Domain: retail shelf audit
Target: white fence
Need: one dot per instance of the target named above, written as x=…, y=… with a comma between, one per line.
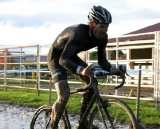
x=150, y=66
x=24, y=66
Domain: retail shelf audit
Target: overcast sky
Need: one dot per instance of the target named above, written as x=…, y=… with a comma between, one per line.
x=26, y=22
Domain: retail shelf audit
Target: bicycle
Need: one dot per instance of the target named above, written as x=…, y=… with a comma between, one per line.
x=108, y=113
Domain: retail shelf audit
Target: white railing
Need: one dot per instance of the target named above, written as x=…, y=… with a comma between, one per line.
x=150, y=77
x=33, y=57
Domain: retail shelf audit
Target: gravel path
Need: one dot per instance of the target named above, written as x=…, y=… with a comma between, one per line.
x=15, y=116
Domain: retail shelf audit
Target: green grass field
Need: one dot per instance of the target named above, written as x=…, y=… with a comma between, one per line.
x=148, y=115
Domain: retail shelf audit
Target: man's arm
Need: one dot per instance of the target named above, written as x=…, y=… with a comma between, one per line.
x=102, y=60
x=66, y=58
x=104, y=63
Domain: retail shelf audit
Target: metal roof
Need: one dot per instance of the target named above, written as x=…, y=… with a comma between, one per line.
x=152, y=28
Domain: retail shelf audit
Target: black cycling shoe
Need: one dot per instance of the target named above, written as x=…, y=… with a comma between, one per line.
x=85, y=126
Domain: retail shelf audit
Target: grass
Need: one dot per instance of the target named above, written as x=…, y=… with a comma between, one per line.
x=148, y=115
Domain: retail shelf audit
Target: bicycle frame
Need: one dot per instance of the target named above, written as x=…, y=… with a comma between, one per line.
x=103, y=108
x=98, y=102
x=95, y=99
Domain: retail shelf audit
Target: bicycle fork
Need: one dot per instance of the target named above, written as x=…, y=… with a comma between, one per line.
x=48, y=122
x=66, y=120
x=106, y=112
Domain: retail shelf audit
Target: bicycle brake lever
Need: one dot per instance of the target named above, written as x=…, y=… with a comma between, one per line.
x=127, y=74
x=124, y=70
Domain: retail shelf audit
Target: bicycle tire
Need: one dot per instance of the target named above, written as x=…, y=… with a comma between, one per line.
x=121, y=115
x=42, y=117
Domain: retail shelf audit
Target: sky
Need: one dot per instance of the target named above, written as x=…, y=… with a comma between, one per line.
x=27, y=22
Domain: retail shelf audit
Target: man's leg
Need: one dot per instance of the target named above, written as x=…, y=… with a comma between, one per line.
x=86, y=97
x=63, y=93
x=85, y=101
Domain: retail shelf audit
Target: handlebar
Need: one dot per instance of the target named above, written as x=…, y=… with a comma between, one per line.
x=93, y=82
x=105, y=73
x=98, y=73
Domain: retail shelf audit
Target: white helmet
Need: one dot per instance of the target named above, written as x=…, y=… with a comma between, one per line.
x=100, y=15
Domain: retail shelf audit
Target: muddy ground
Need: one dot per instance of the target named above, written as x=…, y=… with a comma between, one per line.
x=19, y=117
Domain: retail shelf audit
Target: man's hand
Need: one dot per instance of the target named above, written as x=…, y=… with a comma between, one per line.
x=88, y=71
x=116, y=71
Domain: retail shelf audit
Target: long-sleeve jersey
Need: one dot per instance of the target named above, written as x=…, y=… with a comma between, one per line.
x=73, y=40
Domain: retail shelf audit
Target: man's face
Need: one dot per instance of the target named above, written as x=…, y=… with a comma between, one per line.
x=99, y=30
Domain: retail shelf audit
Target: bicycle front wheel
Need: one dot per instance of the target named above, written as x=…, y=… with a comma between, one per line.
x=116, y=114
x=41, y=119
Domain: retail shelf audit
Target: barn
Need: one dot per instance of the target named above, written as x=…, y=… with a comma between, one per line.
x=140, y=47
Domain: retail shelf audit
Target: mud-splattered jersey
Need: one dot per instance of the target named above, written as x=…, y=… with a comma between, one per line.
x=73, y=40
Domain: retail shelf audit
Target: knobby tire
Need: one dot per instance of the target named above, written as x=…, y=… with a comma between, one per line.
x=120, y=114
x=42, y=118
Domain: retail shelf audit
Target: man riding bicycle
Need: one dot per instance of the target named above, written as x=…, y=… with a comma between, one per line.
x=62, y=57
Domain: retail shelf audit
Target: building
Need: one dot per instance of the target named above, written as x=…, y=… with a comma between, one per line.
x=3, y=61
x=141, y=47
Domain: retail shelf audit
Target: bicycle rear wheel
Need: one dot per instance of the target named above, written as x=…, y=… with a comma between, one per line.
x=41, y=119
x=121, y=116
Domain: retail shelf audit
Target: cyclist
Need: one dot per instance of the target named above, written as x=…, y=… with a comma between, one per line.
x=62, y=57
